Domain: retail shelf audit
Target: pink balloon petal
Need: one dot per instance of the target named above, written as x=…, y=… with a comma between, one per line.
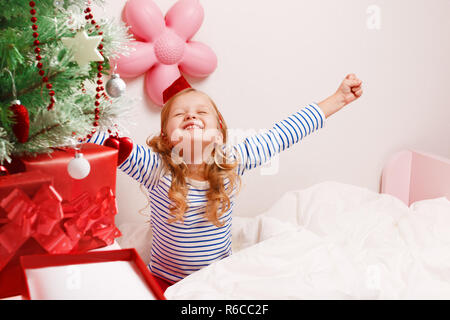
x=137, y=62
x=163, y=45
x=159, y=79
x=145, y=19
x=185, y=18
x=199, y=60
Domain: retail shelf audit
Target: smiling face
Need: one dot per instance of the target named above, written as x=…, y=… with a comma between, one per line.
x=191, y=114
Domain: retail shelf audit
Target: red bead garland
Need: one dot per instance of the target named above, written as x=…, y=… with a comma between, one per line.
x=37, y=50
x=99, y=82
x=100, y=89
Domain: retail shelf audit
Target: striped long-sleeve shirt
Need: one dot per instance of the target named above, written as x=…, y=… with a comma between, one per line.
x=180, y=248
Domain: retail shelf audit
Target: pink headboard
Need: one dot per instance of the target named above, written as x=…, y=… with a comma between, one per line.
x=412, y=176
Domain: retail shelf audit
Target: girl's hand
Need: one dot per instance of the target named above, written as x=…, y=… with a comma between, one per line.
x=349, y=90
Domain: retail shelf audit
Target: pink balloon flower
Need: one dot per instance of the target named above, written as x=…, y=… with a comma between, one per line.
x=163, y=46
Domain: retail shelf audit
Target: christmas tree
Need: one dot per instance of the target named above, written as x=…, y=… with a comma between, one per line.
x=54, y=56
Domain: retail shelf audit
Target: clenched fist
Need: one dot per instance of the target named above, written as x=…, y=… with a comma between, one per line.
x=349, y=90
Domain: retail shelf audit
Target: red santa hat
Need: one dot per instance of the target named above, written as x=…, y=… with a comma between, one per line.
x=178, y=85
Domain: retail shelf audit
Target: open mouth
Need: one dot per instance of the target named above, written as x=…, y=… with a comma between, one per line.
x=191, y=126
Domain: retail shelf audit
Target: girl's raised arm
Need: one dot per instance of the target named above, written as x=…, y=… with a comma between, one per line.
x=142, y=164
x=258, y=149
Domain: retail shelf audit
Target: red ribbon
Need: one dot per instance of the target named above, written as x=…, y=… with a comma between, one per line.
x=92, y=217
x=57, y=227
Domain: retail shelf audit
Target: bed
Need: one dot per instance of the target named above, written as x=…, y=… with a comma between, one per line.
x=337, y=241
x=414, y=175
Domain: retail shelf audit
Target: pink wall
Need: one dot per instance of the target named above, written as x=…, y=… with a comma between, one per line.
x=274, y=57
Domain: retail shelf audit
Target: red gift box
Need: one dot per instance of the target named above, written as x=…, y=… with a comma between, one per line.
x=27, y=182
x=40, y=222
x=102, y=160
x=44, y=261
x=10, y=276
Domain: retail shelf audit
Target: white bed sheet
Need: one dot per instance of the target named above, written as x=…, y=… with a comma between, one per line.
x=332, y=241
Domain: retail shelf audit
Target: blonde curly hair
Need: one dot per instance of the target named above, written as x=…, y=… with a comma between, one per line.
x=216, y=172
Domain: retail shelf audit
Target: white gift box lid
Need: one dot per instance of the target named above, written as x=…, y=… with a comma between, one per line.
x=116, y=274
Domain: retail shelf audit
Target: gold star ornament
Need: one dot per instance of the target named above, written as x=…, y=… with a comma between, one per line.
x=84, y=48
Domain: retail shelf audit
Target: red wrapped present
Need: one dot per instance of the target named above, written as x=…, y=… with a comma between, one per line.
x=27, y=182
x=103, y=169
x=43, y=223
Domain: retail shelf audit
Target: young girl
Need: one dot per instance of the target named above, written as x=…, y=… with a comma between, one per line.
x=191, y=194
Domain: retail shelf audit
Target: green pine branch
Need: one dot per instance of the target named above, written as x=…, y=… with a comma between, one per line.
x=73, y=113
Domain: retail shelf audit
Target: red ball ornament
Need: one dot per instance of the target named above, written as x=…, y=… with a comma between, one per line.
x=21, y=127
x=124, y=145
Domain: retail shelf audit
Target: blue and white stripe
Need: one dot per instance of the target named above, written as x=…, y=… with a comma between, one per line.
x=180, y=248
x=257, y=150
